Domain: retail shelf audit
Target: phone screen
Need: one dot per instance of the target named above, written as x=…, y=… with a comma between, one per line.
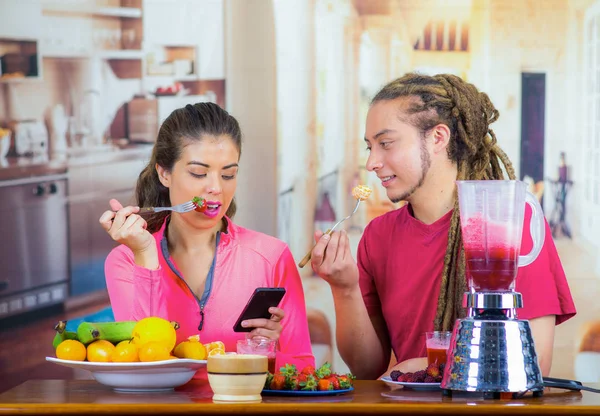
x=258, y=306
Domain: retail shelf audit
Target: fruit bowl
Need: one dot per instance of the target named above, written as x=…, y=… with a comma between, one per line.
x=139, y=376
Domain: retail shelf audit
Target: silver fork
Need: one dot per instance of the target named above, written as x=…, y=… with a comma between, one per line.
x=181, y=208
x=306, y=258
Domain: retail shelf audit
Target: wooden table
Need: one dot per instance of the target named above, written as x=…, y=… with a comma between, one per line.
x=369, y=397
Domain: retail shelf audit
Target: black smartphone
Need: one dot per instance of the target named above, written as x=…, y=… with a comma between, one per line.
x=258, y=305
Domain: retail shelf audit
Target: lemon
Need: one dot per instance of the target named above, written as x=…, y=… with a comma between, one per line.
x=192, y=348
x=154, y=329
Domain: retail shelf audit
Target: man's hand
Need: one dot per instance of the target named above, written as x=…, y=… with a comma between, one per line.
x=332, y=260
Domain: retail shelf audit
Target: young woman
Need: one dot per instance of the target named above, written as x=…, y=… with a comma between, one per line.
x=200, y=268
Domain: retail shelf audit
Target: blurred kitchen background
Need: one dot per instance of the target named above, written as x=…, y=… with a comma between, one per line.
x=85, y=84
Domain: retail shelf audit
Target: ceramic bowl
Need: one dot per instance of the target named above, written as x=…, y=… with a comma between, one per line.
x=237, y=377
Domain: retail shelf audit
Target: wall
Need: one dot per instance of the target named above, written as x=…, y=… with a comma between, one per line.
x=252, y=98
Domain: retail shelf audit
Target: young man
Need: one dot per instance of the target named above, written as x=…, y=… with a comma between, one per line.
x=424, y=133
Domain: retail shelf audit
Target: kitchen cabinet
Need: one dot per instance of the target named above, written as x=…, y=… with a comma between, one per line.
x=197, y=24
x=20, y=19
x=34, y=268
x=91, y=186
x=85, y=29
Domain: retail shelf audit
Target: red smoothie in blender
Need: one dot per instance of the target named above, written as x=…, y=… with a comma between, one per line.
x=491, y=261
x=494, y=270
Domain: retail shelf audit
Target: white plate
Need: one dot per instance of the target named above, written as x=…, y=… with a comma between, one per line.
x=413, y=386
x=146, y=376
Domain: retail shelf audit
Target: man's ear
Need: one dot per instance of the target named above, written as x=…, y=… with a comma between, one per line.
x=164, y=175
x=440, y=135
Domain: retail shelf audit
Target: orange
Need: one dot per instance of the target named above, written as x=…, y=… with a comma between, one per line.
x=216, y=351
x=71, y=349
x=191, y=348
x=154, y=351
x=100, y=351
x=212, y=345
x=125, y=352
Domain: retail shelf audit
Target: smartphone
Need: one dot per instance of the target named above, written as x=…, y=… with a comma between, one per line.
x=258, y=306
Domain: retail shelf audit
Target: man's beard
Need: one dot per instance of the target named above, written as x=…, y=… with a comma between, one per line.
x=425, y=165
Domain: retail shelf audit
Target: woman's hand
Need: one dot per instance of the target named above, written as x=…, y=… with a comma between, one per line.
x=266, y=328
x=126, y=227
x=332, y=260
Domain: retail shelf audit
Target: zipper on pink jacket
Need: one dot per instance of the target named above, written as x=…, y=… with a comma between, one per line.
x=209, y=278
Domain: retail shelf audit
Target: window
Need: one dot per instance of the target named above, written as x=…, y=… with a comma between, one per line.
x=590, y=182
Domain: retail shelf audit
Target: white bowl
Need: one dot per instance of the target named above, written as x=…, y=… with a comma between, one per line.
x=139, y=376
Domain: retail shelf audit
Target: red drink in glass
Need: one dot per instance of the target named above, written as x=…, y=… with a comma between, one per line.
x=271, y=364
x=437, y=344
x=436, y=355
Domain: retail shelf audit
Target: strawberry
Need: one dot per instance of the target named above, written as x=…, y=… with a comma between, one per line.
x=278, y=382
x=308, y=370
x=346, y=381
x=309, y=384
x=335, y=382
x=324, y=384
x=200, y=203
x=291, y=383
x=302, y=379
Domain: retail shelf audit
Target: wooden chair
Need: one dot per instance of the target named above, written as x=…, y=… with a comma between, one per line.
x=587, y=358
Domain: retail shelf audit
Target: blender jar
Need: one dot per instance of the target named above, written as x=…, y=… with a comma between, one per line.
x=491, y=219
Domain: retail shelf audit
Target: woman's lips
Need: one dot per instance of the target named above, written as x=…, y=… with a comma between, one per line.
x=212, y=209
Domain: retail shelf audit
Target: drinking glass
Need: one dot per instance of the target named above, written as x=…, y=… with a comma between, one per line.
x=260, y=346
x=437, y=343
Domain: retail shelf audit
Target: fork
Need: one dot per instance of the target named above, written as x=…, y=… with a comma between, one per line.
x=181, y=208
x=306, y=258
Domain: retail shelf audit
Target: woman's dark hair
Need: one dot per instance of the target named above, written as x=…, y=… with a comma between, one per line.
x=189, y=124
x=468, y=113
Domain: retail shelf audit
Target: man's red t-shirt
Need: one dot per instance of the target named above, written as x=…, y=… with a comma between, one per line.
x=401, y=259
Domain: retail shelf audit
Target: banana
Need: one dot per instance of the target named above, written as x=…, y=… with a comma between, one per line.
x=114, y=332
x=61, y=334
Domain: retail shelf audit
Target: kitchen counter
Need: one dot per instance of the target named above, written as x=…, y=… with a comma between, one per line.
x=369, y=397
x=27, y=167
x=106, y=155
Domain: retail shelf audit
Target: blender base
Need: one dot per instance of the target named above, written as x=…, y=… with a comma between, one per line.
x=491, y=395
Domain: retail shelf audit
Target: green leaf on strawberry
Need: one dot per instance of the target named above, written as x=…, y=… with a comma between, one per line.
x=309, y=384
x=324, y=370
x=289, y=370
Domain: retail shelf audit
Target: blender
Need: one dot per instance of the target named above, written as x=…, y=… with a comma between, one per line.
x=491, y=350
